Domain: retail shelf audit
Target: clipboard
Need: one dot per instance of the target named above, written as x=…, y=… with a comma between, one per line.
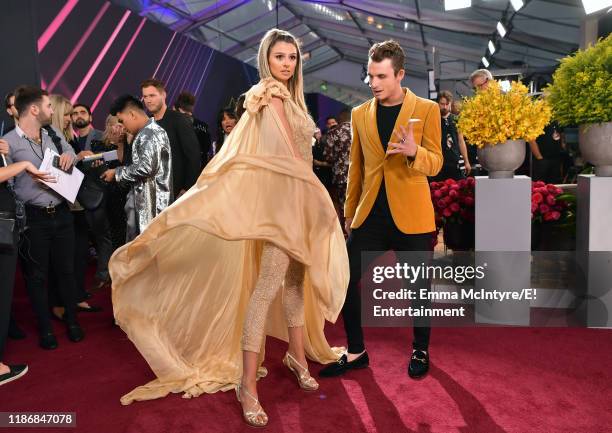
x=67, y=185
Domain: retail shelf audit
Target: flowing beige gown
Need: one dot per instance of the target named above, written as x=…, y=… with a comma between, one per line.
x=181, y=288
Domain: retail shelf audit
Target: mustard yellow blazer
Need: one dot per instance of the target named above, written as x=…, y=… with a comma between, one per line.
x=405, y=180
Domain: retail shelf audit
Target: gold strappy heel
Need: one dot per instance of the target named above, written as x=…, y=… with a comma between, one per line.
x=252, y=417
x=305, y=380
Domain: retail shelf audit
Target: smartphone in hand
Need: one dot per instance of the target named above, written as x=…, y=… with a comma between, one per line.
x=56, y=164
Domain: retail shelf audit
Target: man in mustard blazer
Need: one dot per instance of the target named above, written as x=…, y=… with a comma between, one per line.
x=388, y=203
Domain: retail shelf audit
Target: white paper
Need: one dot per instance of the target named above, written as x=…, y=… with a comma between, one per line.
x=110, y=156
x=67, y=185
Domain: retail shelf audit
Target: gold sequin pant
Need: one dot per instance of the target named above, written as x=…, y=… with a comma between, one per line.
x=276, y=267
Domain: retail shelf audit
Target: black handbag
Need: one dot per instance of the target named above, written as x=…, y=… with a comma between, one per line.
x=11, y=222
x=91, y=193
x=7, y=231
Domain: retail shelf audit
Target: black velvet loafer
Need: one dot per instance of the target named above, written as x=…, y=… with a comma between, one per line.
x=419, y=364
x=341, y=366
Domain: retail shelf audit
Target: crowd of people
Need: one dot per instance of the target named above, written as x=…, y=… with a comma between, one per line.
x=256, y=209
x=159, y=153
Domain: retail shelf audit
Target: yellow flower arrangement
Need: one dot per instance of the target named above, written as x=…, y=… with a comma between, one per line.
x=493, y=116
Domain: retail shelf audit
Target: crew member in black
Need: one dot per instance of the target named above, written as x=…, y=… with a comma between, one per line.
x=547, y=150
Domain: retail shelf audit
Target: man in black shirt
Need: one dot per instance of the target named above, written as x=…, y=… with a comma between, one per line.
x=454, y=151
x=546, y=150
x=185, y=103
x=186, y=165
x=396, y=144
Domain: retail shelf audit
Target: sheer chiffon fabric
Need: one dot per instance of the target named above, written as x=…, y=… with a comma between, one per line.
x=181, y=288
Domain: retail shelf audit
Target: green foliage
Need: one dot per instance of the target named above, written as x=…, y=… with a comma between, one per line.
x=581, y=92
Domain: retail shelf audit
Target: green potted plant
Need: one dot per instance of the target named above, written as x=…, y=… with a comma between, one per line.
x=498, y=122
x=580, y=94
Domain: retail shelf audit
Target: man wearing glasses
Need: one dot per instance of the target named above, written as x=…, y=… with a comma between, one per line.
x=480, y=79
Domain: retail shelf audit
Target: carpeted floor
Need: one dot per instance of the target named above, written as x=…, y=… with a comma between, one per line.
x=484, y=380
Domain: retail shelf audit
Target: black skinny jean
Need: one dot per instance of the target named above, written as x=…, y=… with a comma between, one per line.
x=379, y=233
x=49, y=243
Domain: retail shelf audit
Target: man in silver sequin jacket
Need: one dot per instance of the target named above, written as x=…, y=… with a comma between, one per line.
x=150, y=173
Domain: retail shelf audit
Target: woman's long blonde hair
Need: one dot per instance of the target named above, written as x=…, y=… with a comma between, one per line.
x=61, y=106
x=108, y=124
x=295, y=84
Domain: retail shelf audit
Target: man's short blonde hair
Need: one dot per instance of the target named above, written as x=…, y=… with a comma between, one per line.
x=481, y=73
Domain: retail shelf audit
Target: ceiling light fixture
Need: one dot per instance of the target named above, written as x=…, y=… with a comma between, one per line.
x=327, y=11
x=517, y=4
x=591, y=6
x=485, y=62
x=450, y=5
x=491, y=47
x=501, y=29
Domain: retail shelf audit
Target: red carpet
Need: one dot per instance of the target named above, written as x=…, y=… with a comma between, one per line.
x=485, y=380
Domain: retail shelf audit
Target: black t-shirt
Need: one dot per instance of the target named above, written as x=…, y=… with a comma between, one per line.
x=450, y=137
x=385, y=119
x=201, y=130
x=80, y=143
x=549, y=147
x=317, y=149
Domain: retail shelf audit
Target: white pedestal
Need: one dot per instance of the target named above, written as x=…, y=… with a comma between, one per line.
x=594, y=249
x=503, y=242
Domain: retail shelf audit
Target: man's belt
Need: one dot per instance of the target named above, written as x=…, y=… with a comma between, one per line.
x=48, y=211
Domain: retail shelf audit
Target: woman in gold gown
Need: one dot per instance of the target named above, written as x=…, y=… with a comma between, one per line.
x=253, y=249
